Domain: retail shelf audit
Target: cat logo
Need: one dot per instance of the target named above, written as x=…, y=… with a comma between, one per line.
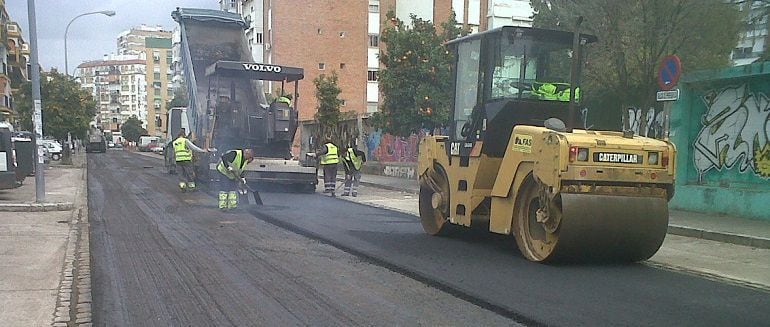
x=454, y=148
x=522, y=143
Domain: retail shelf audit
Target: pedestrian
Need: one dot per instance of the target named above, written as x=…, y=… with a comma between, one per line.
x=231, y=166
x=183, y=156
x=353, y=159
x=329, y=160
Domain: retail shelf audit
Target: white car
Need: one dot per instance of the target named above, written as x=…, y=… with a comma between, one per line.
x=54, y=148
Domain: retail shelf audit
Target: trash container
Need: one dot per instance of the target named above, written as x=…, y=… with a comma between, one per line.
x=25, y=161
x=8, y=176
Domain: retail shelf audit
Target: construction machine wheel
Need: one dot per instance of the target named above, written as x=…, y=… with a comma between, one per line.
x=588, y=227
x=536, y=241
x=434, y=200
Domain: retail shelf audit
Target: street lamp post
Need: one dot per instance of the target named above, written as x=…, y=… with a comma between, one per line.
x=66, y=30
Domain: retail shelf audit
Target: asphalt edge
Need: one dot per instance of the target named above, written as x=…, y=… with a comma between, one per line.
x=680, y=230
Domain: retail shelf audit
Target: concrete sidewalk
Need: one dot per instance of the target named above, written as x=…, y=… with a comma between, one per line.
x=38, y=248
x=727, y=229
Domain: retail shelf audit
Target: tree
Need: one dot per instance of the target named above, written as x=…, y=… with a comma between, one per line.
x=66, y=107
x=633, y=37
x=132, y=129
x=416, y=82
x=328, y=114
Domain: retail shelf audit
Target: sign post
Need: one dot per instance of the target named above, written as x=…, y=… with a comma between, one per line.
x=669, y=72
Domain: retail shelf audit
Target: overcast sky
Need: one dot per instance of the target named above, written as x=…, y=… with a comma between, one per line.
x=90, y=37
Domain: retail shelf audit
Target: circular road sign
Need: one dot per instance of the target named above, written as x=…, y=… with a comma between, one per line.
x=669, y=71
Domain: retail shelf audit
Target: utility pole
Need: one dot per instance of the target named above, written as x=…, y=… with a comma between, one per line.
x=38, y=105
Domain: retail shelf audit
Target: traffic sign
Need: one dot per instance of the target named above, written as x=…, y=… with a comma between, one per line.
x=669, y=71
x=672, y=95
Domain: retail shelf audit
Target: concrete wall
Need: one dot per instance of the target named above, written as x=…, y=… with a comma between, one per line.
x=721, y=127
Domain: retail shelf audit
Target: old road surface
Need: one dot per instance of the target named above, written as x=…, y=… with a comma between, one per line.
x=170, y=259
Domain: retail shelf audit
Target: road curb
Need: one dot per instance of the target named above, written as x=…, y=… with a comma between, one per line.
x=673, y=229
x=73, y=304
x=724, y=237
x=36, y=207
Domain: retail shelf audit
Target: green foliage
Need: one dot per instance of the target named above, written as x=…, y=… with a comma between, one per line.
x=66, y=107
x=132, y=129
x=328, y=114
x=633, y=37
x=416, y=82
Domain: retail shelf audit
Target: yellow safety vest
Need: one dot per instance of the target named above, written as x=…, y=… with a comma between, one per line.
x=181, y=151
x=330, y=157
x=237, y=162
x=356, y=160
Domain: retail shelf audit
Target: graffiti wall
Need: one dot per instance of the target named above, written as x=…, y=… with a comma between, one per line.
x=734, y=132
x=721, y=128
x=388, y=148
x=654, y=127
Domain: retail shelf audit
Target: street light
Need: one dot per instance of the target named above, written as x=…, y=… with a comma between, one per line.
x=109, y=13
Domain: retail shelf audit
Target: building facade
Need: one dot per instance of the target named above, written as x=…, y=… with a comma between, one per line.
x=753, y=39
x=344, y=37
x=159, y=63
x=15, y=57
x=132, y=41
x=6, y=105
x=118, y=85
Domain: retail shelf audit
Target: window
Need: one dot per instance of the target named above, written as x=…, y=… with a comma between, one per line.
x=156, y=75
x=320, y=31
x=374, y=40
x=321, y=66
x=342, y=65
x=114, y=120
x=343, y=103
x=374, y=7
x=258, y=38
x=467, y=86
x=156, y=56
x=342, y=34
x=157, y=91
x=371, y=76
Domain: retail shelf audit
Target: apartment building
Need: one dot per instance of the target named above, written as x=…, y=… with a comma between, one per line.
x=15, y=54
x=159, y=63
x=6, y=105
x=132, y=41
x=118, y=84
x=753, y=39
x=343, y=36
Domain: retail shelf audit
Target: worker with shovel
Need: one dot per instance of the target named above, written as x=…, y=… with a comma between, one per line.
x=231, y=181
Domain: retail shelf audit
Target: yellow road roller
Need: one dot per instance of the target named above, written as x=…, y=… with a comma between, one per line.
x=514, y=163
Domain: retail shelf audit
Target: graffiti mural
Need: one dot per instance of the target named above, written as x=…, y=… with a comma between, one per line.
x=654, y=120
x=388, y=148
x=735, y=132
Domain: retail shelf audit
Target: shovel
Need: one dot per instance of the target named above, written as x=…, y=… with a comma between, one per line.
x=245, y=188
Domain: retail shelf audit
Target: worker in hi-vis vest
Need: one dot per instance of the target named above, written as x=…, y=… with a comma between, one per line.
x=353, y=159
x=329, y=157
x=183, y=155
x=231, y=167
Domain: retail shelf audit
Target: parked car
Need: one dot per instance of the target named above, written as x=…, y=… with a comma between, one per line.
x=54, y=149
x=155, y=147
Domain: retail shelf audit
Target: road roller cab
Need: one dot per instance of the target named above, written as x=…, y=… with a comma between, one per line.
x=513, y=163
